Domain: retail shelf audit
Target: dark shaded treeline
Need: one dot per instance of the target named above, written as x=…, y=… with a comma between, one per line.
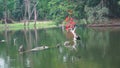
x=90, y=10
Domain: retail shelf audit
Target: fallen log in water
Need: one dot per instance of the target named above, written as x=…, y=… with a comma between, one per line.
x=22, y=50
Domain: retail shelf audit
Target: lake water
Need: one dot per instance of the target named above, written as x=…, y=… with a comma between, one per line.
x=98, y=48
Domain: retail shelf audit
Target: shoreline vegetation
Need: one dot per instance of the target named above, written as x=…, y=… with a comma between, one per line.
x=110, y=23
x=52, y=24
x=104, y=25
x=20, y=25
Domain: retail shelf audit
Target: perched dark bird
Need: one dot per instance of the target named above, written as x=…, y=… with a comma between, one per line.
x=78, y=38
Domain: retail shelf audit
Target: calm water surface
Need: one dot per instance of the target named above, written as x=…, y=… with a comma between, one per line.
x=96, y=49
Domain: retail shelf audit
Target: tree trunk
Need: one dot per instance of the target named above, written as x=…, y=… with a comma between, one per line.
x=5, y=13
x=35, y=16
x=28, y=10
x=25, y=15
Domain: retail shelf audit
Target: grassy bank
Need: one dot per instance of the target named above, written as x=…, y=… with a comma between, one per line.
x=20, y=26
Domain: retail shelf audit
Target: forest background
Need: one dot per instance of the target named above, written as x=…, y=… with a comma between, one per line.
x=83, y=11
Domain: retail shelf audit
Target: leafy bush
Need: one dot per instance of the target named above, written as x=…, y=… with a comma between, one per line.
x=96, y=14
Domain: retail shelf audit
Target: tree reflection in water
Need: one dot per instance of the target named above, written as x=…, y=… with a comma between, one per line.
x=96, y=49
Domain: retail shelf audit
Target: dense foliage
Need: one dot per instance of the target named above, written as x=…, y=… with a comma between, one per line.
x=91, y=11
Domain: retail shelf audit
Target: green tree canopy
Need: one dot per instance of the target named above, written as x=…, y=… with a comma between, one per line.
x=90, y=10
